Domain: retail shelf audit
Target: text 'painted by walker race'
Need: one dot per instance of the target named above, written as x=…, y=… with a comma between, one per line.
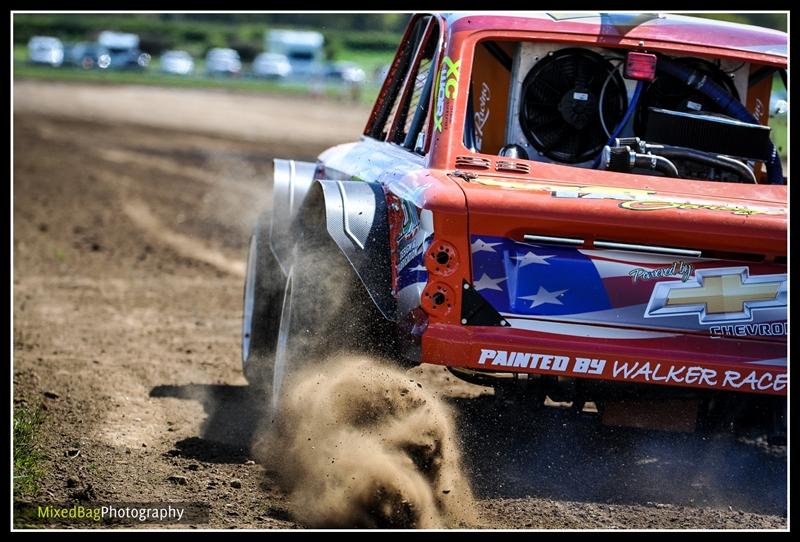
x=760, y=380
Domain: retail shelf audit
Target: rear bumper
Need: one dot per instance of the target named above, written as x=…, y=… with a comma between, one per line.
x=690, y=361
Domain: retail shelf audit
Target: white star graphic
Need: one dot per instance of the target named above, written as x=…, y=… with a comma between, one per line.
x=488, y=283
x=482, y=246
x=419, y=268
x=543, y=296
x=530, y=258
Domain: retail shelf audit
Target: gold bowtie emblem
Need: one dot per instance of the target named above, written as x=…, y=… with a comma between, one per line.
x=718, y=295
x=724, y=293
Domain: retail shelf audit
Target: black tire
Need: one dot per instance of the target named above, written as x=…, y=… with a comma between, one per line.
x=326, y=309
x=262, y=298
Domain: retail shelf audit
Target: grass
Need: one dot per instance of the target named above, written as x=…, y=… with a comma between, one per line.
x=152, y=77
x=27, y=456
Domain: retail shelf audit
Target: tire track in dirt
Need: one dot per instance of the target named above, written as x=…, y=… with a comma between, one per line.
x=142, y=217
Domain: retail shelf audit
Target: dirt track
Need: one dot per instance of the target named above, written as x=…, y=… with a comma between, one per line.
x=132, y=210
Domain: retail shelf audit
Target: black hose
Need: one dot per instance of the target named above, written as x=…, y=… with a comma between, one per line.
x=658, y=163
x=624, y=160
x=724, y=162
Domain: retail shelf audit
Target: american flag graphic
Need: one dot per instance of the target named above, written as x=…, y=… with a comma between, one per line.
x=549, y=282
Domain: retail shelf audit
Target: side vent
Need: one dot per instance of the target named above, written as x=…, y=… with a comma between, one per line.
x=474, y=162
x=512, y=167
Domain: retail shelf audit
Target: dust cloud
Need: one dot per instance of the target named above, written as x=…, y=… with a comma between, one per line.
x=358, y=443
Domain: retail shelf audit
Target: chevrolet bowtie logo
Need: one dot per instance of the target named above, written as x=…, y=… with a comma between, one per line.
x=719, y=295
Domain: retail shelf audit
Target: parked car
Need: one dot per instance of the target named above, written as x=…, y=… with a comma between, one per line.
x=345, y=72
x=46, y=50
x=562, y=207
x=271, y=66
x=176, y=63
x=88, y=56
x=221, y=61
x=123, y=50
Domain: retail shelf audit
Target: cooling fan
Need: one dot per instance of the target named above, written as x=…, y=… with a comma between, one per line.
x=560, y=107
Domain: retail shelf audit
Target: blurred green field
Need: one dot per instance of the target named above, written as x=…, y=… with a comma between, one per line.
x=153, y=76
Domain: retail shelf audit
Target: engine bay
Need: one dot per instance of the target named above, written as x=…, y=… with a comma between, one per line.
x=625, y=111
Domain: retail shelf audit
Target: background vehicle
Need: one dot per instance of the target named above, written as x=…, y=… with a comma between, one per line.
x=88, y=56
x=45, y=50
x=176, y=62
x=345, y=72
x=220, y=61
x=271, y=66
x=123, y=50
x=598, y=216
x=303, y=49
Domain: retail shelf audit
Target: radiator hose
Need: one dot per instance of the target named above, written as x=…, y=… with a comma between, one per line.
x=727, y=103
x=622, y=123
x=624, y=160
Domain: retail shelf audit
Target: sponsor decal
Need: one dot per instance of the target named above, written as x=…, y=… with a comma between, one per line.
x=657, y=205
x=678, y=268
x=410, y=220
x=658, y=373
x=409, y=240
x=638, y=371
x=568, y=191
x=775, y=329
x=759, y=110
x=585, y=287
x=545, y=362
x=482, y=115
x=726, y=294
x=449, y=75
x=408, y=252
x=632, y=199
x=411, y=234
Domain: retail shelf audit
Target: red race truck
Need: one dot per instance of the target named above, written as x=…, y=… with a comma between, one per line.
x=586, y=207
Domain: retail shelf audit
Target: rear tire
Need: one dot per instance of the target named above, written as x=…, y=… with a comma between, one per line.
x=326, y=309
x=263, y=294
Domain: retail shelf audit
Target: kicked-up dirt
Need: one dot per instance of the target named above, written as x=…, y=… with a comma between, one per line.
x=132, y=212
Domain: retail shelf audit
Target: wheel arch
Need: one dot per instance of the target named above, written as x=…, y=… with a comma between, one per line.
x=354, y=216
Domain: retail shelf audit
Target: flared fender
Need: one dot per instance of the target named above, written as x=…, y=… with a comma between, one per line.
x=355, y=217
